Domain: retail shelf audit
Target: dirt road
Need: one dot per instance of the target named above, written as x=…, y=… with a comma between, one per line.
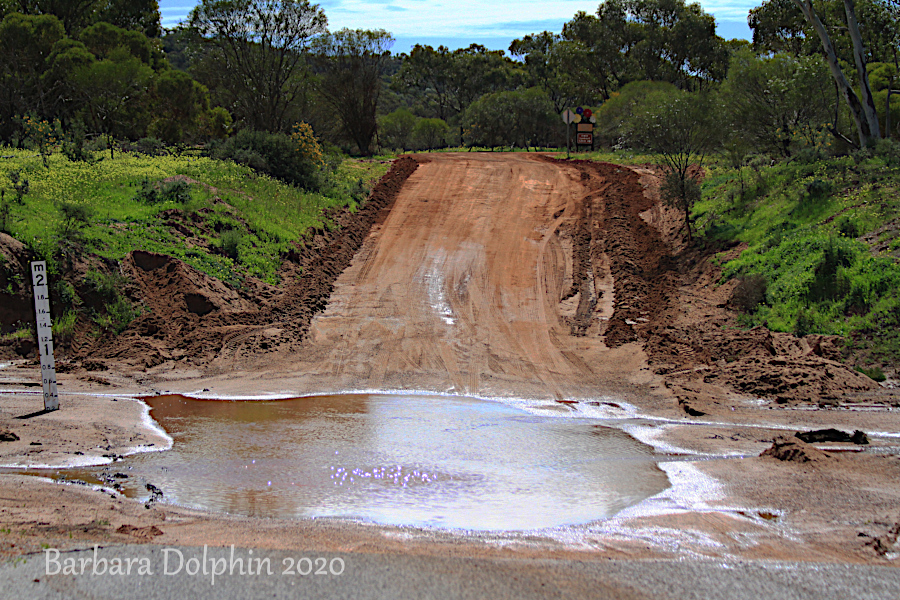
x=467, y=287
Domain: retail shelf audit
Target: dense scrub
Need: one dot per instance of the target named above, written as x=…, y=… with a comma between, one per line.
x=823, y=244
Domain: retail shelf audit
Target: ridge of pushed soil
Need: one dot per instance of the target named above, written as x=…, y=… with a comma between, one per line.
x=195, y=318
x=668, y=296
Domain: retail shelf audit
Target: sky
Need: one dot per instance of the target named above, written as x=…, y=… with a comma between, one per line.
x=458, y=23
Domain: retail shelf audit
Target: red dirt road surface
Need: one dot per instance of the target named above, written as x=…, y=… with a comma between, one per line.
x=474, y=284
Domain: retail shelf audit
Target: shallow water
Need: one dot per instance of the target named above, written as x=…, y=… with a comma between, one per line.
x=431, y=461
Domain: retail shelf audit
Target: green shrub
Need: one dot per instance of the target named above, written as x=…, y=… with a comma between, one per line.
x=163, y=191
x=5, y=215
x=829, y=280
x=20, y=185
x=749, y=293
x=274, y=154
x=75, y=217
x=231, y=242
x=848, y=227
x=818, y=189
x=804, y=323
x=150, y=146
x=106, y=285
x=74, y=146
x=874, y=373
x=68, y=297
x=119, y=315
x=64, y=327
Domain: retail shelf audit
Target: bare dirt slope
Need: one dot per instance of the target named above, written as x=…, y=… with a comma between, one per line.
x=473, y=284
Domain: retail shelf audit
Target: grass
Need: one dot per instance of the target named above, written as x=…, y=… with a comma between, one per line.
x=275, y=213
x=804, y=223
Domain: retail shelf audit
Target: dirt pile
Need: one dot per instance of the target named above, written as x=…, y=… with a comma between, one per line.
x=198, y=319
x=793, y=449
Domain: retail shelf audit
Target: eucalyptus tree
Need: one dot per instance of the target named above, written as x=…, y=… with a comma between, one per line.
x=845, y=32
x=682, y=129
x=75, y=15
x=253, y=54
x=350, y=64
x=773, y=100
x=552, y=63
x=428, y=70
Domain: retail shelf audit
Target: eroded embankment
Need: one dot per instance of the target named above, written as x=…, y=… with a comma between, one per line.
x=668, y=296
x=195, y=318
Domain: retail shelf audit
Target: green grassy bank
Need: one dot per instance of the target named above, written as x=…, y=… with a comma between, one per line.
x=113, y=206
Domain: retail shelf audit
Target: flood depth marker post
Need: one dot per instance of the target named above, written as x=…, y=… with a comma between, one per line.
x=45, y=334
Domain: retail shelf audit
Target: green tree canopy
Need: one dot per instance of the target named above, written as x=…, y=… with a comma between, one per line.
x=253, y=52
x=351, y=63
x=771, y=101
x=682, y=129
x=395, y=129
x=75, y=15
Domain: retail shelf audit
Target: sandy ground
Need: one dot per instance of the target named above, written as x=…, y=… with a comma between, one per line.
x=487, y=279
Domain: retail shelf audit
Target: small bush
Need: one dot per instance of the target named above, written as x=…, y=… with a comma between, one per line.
x=818, y=189
x=231, y=242
x=20, y=185
x=829, y=280
x=74, y=146
x=150, y=146
x=848, y=227
x=68, y=297
x=5, y=215
x=359, y=191
x=749, y=293
x=75, y=217
x=889, y=150
x=119, y=315
x=804, y=323
x=874, y=373
x=107, y=286
x=163, y=191
x=275, y=154
x=119, y=311
x=64, y=327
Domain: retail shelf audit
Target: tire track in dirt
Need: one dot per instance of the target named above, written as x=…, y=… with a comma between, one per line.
x=459, y=288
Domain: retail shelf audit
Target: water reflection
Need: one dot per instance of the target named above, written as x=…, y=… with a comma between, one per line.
x=418, y=460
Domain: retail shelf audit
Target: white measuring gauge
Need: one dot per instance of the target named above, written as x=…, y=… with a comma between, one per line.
x=39, y=279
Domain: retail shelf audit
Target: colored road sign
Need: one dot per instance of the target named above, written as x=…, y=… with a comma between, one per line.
x=584, y=139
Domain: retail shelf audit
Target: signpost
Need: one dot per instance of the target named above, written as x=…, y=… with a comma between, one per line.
x=39, y=279
x=569, y=117
x=584, y=136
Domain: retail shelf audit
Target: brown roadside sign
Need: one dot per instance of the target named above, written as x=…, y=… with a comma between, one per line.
x=584, y=139
x=585, y=127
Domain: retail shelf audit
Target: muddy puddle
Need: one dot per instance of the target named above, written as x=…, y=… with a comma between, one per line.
x=429, y=461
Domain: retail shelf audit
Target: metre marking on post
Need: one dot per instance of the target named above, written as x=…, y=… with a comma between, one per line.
x=45, y=334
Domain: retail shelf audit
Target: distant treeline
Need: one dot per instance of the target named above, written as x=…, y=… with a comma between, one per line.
x=81, y=70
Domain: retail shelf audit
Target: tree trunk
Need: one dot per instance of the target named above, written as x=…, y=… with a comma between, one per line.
x=859, y=57
x=887, y=115
x=863, y=125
